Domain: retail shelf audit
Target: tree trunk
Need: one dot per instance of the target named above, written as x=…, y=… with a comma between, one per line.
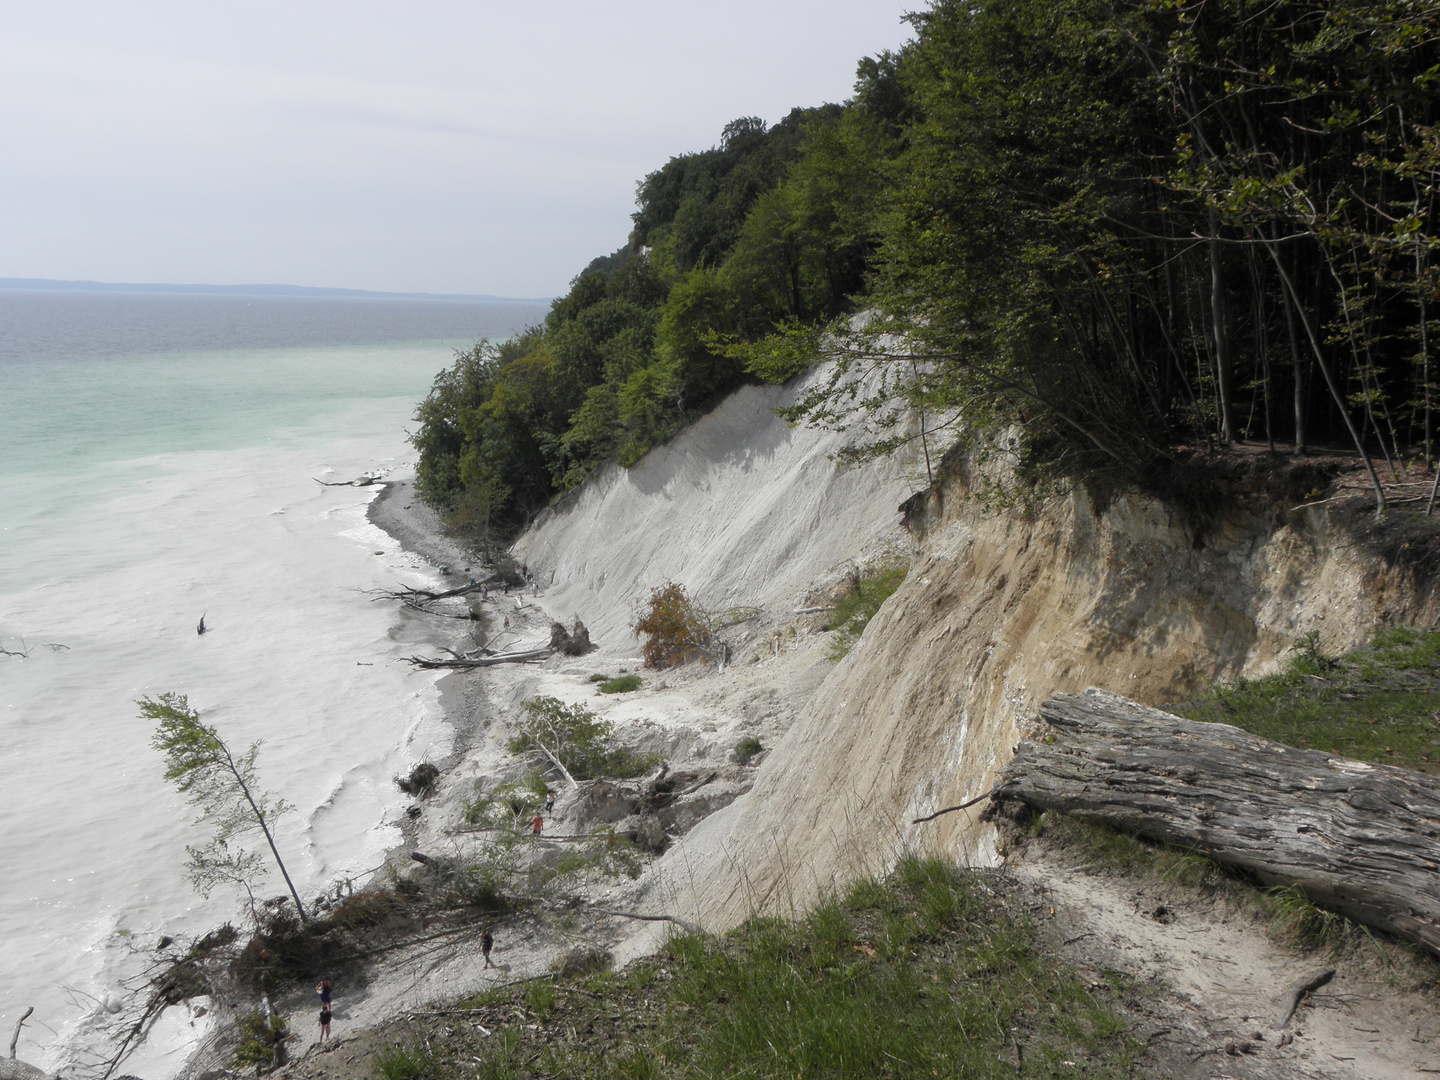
x=1335, y=393
x=482, y=661
x=1299, y=388
x=1363, y=840
x=1223, y=391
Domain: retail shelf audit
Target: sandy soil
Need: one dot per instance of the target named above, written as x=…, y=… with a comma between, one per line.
x=1220, y=980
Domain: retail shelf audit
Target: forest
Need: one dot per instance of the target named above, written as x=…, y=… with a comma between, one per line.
x=1124, y=229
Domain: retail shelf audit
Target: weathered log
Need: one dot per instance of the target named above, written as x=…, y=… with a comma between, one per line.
x=479, y=661
x=1361, y=839
x=359, y=481
x=420, y=595
x=469, y=616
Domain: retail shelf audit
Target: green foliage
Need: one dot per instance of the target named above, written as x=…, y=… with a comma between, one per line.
x=576, y=739
x=510, y=804
x=605, y=855
x=1378, y=703
x=947, y=976
x=727, y=244
x=541, y=997
x=747, y=748
x=258, y=1035
x=621, y=684
x=1295, y=918
x=411, y=1060
x=858, y=996
x=226, y=789
x=866, y=590
x=1309, y=659
x=1105, y=234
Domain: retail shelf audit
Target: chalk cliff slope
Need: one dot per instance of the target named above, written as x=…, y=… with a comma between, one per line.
x=1001, y=609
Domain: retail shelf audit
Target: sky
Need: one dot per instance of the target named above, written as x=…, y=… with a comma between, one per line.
x=447, y=147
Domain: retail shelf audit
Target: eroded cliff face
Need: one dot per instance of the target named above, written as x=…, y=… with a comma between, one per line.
x=1001, y=610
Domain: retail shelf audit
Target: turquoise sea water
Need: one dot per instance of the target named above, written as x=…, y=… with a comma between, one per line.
x=156, y=464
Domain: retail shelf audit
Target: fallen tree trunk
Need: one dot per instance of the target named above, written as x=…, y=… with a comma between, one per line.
x=469, y=616
x=1363, y=840
x=359, y=481
x=411, y=595
x=480, y=661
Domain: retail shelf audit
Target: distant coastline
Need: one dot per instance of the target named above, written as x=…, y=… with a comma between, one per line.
x=52, y=285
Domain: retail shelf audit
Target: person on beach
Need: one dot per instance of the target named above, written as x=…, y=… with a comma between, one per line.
x=324, y=1022
x=537, y=824
x=487, y=942
x=324, y=989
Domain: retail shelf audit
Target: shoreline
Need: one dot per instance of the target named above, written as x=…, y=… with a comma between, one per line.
x=417, y=529
x=398, y=512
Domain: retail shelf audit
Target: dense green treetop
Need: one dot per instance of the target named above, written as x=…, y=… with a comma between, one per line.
x=1129, y=227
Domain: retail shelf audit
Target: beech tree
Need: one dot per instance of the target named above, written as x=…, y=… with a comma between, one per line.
x=226, y=789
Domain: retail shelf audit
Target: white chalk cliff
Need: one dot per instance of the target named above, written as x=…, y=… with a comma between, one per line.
x=1001, y=609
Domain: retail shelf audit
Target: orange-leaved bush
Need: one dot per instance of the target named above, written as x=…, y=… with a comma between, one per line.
x=676, y=627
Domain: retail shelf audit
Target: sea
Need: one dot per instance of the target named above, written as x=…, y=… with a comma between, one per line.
x=159, y=459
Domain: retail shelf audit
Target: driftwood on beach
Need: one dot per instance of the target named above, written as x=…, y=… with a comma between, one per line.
x=480, y=661
x=415, y=595
x=1360, y=839
x=359, y=481
x=468, y=616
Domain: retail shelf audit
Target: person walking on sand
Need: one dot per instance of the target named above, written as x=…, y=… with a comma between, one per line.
x=324, y=1022
x=487, y=942
x=537, y=824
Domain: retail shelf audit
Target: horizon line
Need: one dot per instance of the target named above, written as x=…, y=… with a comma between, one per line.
x=61, y=285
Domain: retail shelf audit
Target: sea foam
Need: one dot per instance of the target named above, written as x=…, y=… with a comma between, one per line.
x=297, y=654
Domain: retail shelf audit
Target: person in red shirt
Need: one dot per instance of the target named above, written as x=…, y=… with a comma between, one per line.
x=537, y=824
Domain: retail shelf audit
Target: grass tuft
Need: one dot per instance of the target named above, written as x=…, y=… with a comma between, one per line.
x=932, y=972
x=747, y=748
x=863, y=595
x=1380, y=703
x=406, y=1061
x=621, y=684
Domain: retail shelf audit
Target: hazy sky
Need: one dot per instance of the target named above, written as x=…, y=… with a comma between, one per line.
x=428, y=146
